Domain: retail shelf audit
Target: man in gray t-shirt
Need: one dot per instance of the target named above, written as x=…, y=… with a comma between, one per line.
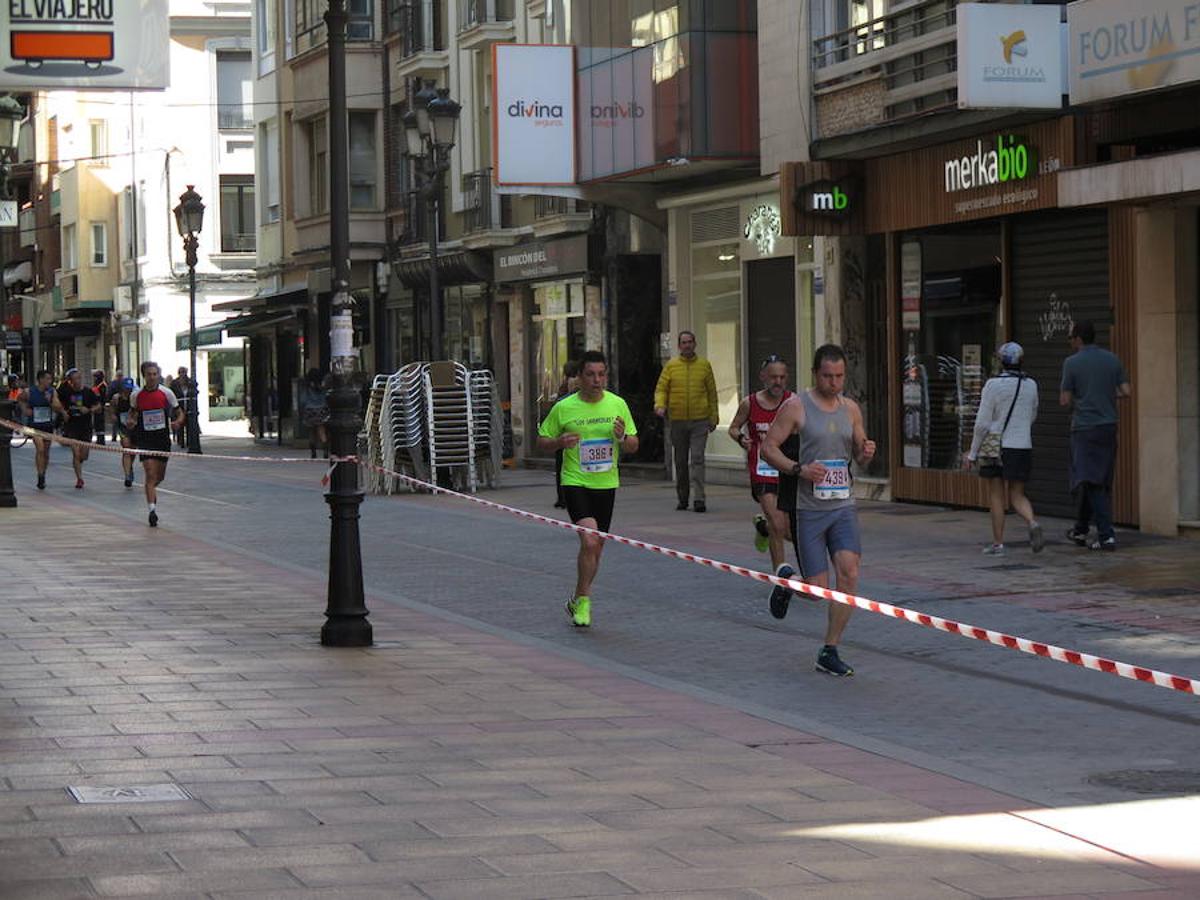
x=1092, y=382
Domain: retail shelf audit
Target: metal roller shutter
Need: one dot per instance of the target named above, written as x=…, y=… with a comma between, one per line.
x=1059, y=274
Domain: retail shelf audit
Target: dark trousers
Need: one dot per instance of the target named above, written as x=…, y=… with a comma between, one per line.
x=1094, y=505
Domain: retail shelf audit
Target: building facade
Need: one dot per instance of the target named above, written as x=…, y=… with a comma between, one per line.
x=955, y=229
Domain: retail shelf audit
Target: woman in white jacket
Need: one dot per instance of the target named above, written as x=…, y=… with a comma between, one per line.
x=1008, y=408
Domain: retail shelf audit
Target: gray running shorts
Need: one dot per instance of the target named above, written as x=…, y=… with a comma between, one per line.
x=818, y=535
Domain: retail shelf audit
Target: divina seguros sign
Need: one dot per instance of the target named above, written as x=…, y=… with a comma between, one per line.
x=533, y=114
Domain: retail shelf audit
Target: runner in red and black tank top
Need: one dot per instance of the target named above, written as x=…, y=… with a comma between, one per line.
x=153, y=412
x=749, y=425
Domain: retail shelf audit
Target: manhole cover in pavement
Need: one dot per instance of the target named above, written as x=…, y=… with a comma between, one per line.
x=142, y=793
x=1151, y=781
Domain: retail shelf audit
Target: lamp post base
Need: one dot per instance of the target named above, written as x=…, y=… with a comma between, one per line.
x=8, y=497
x=346, y=623
x=192, y=426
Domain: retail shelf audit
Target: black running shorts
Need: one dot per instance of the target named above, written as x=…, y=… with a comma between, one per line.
x=589, y=503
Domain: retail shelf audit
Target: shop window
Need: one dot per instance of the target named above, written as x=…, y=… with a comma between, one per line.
x=717, y=322
x=226, y=385
x=950, y=297
x=558, y=336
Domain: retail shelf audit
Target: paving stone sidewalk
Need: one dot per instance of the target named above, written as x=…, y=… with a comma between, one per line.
x=451, y=763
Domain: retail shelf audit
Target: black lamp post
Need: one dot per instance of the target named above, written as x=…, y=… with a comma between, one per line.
x=11, y=116
x=189, y=218
x=429, y=129
x=346, y=622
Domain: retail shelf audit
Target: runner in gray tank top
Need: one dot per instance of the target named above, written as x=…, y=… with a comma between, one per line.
x=825, y=526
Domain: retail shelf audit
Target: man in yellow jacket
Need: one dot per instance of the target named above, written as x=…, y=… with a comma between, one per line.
x=687, y=395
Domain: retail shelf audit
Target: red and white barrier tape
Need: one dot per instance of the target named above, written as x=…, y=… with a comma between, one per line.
x=1000, y=639
x=117, y=448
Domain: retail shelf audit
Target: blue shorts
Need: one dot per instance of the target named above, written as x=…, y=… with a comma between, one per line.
x=818, y=535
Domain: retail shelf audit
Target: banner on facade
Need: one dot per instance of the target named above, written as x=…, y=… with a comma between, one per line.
x=1009, y=56
x=533, y=114
x=73, y=45
x=1121, y=48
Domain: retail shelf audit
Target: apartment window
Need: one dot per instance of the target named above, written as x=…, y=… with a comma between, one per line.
x=318, y=166
x=98, y=130
x=70, y=253
x=265, y=29
x=361, y=23
x=99, y=244
x=237, y=213
x=268, y=170
x=362, y=160
x=233, y=89
x=310, y=23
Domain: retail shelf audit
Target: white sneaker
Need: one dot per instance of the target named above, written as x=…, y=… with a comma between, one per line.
x=995, y=550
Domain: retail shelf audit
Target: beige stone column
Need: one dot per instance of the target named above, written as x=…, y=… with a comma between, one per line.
x=1166, y=305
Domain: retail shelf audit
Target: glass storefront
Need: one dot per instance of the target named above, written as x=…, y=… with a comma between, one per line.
x=950, y=300
x=717, y=321
x=557, y=335
x=226, y=385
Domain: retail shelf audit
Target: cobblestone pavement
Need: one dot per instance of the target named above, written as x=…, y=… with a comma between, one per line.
x=683, y=746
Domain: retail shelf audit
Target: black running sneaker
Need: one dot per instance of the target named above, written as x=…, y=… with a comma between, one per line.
x=830, y=663
x=41, y=482
x=128, y=481
x=153, y=519
x=1109, y=544
x=781, y=596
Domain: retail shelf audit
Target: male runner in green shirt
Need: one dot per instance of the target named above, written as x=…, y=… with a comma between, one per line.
x=593, y=427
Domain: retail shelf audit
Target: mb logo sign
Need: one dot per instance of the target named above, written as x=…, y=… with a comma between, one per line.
x=830, y=201
x=827, y=198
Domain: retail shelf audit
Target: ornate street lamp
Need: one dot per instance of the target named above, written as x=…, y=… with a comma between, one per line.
x=189, y=219
x=429, y=131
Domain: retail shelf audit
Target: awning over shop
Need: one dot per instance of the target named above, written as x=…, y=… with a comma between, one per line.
x=290, y=296
x=207, y=336
x=460, y=267
x=66, y=330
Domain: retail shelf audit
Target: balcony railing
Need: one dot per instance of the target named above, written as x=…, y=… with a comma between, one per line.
x=545, y=207
x=234, y=118
x=484, y=12
x=483, y=208
x=910, y=52
x=237, y=242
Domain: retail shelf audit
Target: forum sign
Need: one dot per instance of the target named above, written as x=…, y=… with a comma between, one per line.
x=1119, y=47
x=84, y=44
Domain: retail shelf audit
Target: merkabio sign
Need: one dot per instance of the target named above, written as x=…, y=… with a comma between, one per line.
x=1011, y=159
x=826, y=198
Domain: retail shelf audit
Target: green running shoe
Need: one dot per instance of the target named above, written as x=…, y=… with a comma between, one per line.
x=762, y=537
x=580, y=611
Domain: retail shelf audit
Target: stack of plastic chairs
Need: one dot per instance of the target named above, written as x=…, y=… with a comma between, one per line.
x=369, y=446
x=402, y=426
x=450, y=423
x=489, y=426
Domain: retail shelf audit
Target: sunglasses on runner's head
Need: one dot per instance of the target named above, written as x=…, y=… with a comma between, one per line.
x=773, y=358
